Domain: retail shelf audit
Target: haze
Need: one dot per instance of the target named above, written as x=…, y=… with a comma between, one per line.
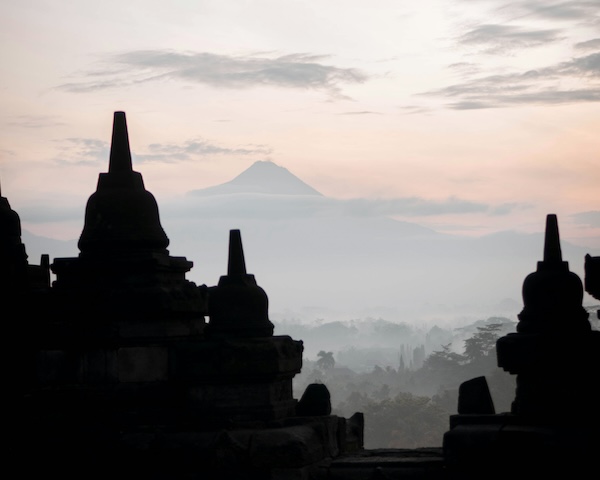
x=459, y=121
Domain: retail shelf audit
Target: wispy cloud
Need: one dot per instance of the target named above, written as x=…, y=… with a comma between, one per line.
x=297, y=71
x=244, y=205
x=89, y=151
x=491, y=76
x=170, y=153
x=35, y=121
x=83, y=152
x=362, y=112
x=496, y=38
x=593, y=44
x=51, y=212
x=590, y=218
x=414, y=109
x=410, y=206
x=540, y=86
x=465, y=68
x=569, y=10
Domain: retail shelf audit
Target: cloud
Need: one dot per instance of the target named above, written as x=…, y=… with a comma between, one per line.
x=410, y=206
x=539, y=86
x=414, y=109
x=590, y=218
x=84, y=151
x=7, y=152
x=268, y=206
x=593, y=44
x=582, y=10
x=298, y=71
x=89, y=151
x=170, y=153
x=51, y=212
x=585, y=66
x=362, y=112
x=465, y=68
x=35, y=121
x=495, y=38
x=507, y=208
x=518, y=26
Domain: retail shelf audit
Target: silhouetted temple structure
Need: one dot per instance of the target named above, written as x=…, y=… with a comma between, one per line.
x=554, y=423
x=122, y=368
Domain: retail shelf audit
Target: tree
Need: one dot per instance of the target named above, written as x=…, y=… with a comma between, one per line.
x=443, y=360
x=404, y=421
x=441, y=369
x=326, y=360
x=483, y=343
x=382, y=392
x=355, y=402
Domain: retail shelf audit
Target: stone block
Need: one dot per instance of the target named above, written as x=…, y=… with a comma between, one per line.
x=59, y=367
x=143, y=364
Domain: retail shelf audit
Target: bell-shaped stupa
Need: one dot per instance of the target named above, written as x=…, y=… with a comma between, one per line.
x=238, y=307
x=552, y=295
x=121, y=216
x=17, y=276
x=124, y=268
x=12, y=251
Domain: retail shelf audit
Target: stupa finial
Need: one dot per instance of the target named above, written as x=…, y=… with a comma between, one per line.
x=236, y=263
x=120, y=153
x=552, y=251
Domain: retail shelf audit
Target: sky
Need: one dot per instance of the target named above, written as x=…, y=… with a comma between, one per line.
x=466, y=117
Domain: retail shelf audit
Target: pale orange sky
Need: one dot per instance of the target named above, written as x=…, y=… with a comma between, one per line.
x=493, y=104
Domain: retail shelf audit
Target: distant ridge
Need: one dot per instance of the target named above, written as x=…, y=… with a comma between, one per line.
x=261, y=177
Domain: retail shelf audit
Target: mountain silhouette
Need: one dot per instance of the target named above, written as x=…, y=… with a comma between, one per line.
x=261, y=177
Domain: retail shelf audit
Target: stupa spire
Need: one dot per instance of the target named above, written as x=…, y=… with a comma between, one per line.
x=552, y=250
x=236, y=263
x=120, y=153
x=121, y=215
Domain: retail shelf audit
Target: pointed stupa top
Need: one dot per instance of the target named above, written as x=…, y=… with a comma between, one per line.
x=552, y=250
x=237, y=306
x=120, y=153
x=121, y=216
x=236, y=264
x=552, y=295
